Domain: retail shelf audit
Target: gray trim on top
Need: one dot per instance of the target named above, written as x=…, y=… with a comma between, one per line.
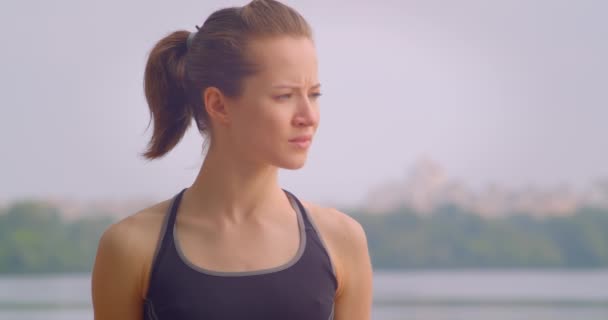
x=161, y=238
x=331, y=315
x=291, y=262
x=314, y=226
x=331, y=264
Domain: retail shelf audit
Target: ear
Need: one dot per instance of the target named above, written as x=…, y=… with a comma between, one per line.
x=215, y=105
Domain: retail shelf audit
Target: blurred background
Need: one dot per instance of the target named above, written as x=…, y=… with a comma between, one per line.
x=469, y=138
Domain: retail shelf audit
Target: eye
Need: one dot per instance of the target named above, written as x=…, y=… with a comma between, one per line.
x=286, y=96
x=315, y=96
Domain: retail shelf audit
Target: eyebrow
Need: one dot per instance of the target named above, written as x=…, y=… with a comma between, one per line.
x=283, y=86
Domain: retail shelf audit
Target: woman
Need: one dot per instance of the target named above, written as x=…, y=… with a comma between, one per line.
x=234, y=245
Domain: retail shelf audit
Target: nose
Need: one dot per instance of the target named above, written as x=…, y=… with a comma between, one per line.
x=307, y=114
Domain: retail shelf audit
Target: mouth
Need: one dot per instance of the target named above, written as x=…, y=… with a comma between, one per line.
x=302, y=142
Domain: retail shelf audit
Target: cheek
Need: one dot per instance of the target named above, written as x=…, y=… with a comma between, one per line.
x=262, y=124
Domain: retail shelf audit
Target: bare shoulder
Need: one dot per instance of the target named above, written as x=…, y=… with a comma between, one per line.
x=127, y=247
x=136, y=229
x=337, y=225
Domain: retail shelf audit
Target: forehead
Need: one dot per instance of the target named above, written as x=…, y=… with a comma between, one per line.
x=285, y=59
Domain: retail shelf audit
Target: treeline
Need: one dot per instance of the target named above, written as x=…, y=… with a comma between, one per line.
x=34, y=238
x=452, y=238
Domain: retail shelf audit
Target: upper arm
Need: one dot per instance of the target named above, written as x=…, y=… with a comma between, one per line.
x=116, y=285
x=354, y=299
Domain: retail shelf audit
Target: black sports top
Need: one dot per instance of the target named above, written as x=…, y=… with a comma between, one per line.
x=303, y=288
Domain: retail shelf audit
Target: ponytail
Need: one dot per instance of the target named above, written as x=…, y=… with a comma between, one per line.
x=166, y=90
x=215, y=58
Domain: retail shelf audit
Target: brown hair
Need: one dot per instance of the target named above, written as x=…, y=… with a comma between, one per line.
x=177, y=72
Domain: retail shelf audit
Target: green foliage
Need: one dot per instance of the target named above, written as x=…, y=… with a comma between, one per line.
x=451, y=238
x=34, y=238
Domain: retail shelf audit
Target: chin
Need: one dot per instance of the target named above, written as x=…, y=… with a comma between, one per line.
x=292, y=163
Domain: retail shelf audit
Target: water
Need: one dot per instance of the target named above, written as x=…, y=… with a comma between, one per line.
x=449, y=295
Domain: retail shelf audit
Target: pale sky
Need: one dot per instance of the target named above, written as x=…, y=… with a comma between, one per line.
x=512, y=91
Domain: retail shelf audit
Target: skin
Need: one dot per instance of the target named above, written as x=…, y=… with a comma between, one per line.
x=236, y=204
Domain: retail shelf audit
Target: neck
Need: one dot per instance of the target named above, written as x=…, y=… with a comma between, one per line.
x=229, y=188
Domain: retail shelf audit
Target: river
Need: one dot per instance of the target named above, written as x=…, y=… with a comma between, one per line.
x=419, y=295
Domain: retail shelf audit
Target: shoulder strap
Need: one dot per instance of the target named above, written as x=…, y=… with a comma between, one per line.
x=310, y=224
x=301, y=209
x=166, y=236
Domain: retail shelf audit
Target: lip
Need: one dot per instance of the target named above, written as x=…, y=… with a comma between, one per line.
x=301, y=141
x=305, y=138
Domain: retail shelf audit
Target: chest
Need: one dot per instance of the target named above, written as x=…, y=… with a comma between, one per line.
x=248, y=298
x=239, y=249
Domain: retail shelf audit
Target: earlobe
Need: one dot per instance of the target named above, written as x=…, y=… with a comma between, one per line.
x=215, y=105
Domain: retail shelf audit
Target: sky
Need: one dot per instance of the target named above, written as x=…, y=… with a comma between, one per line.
x=508, y=91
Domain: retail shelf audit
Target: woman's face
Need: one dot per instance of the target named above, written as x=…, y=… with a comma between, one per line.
x=275, y=118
